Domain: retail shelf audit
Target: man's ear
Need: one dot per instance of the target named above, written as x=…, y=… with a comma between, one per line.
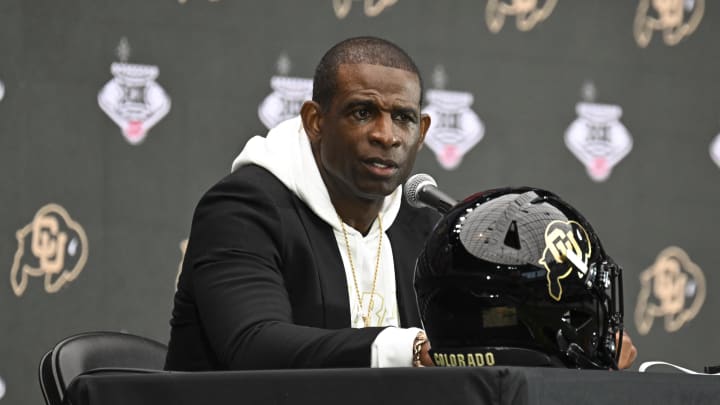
x=311, y=115
x=424, y=126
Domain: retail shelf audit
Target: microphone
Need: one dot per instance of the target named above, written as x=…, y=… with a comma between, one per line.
x=421, y=191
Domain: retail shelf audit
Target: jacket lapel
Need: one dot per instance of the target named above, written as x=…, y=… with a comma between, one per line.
x=329, y=269
x=405, y=251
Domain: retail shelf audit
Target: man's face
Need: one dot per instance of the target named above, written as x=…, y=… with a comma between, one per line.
x=367, y=138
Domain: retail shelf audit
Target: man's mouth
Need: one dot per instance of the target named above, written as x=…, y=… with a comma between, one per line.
x=381, y=167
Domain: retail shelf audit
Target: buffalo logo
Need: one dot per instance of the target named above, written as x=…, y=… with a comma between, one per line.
x=598, y=138
x=564, y=239
x=372, y=8
x=672, y=288
x=287, y=97
x=456, y=127
x=715, y=150
x=527, y=13
x=675, y=18
x=52, y=246
x=379, y=313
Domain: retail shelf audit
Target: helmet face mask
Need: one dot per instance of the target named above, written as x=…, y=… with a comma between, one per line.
x=517, y=276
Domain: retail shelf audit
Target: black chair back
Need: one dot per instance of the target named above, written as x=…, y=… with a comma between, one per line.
x=89, y=351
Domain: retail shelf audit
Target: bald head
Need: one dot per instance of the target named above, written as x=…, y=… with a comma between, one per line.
x=359, y=50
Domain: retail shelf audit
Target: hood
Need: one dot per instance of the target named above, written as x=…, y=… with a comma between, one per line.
x=285, y=152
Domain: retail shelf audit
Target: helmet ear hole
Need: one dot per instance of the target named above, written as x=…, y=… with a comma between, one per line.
x=512, y=239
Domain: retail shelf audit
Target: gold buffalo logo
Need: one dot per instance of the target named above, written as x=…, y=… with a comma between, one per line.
x=668, y=16
x=672, y=288
x=52, y=246
x=372, y=8
x=562, y=237
x=527, y=13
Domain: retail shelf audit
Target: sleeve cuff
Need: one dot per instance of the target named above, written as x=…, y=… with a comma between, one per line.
x=393, y=347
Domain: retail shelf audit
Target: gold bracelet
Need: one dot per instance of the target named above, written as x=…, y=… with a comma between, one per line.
x=420, y=340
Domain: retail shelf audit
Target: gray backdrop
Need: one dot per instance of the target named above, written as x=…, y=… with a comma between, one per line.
x=105, y=254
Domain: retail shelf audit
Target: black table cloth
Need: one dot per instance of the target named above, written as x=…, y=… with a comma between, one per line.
x=491, y=385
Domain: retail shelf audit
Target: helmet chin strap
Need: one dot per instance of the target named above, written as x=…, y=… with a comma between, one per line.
x=578, y=356
x=574, y=352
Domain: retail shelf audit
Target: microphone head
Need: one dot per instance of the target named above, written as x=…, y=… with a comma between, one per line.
x=412, y=188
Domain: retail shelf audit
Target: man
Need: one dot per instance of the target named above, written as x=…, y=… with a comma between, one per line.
x=304, y=255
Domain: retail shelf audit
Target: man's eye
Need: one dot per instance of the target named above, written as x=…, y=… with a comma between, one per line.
x=361, y=114
x=402, y=117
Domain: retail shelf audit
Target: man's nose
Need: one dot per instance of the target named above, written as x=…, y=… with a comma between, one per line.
x=383, y=132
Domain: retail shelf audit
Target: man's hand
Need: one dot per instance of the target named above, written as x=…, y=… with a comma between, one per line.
x=628, y=352
x=421, y=351
x=425, y=358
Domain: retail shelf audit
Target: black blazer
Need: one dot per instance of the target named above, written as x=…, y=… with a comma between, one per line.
x=263, y=284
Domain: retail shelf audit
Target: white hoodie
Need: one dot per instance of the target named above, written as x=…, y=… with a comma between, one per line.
x=286, y=153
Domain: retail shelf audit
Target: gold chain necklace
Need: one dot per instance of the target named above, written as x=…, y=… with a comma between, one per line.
x=365, y=318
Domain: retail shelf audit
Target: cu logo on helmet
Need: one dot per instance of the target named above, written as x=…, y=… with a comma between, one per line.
x=561, y=237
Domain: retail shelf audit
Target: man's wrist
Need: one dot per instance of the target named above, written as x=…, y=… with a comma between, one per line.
x=418, y=344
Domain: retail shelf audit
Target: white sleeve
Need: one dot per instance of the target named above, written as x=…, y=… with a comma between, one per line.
x=393, y=347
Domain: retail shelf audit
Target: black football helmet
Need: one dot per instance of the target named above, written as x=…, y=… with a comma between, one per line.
x=516, y=276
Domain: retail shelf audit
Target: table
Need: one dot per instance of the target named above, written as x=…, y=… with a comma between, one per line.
x=491, y=385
